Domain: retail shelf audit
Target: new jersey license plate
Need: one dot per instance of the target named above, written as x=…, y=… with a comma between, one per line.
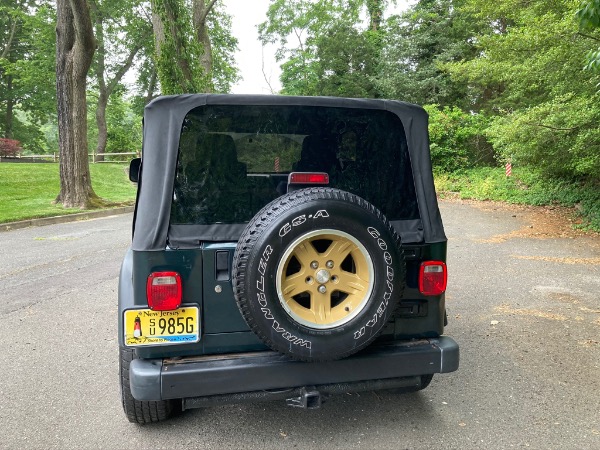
x=148, y=327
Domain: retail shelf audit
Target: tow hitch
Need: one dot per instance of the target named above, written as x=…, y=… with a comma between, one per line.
x=309, y=398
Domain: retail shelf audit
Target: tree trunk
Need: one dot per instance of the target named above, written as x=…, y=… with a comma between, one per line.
x=10, y=100
x=103, y=97
x=152, y=83
x=158, y=29
x=74, y=52
x=106, y=87
x=375, y=8
x=102, y=126
x=201, y=12
x=186, y=65
x=10, y=103
x=166, y=21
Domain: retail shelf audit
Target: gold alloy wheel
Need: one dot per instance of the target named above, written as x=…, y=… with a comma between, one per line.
x=325, y=279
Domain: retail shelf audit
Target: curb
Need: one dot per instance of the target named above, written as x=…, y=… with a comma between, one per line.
x=64, y=219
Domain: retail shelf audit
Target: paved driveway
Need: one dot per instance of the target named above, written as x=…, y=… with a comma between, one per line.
x=524, y=307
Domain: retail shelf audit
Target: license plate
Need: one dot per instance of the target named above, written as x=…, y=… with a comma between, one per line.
x=148, y=327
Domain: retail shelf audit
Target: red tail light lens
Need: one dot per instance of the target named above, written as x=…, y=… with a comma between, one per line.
x=308, y=178
x=163, y=291
x=433, y=278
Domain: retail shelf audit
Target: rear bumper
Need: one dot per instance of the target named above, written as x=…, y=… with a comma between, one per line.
x=217, y=375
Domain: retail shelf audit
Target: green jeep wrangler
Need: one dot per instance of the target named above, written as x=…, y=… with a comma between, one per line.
x=283, y=248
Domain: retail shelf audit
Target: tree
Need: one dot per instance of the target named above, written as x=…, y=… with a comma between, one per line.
x=26, y=67
x=347, y=63
x=122, y=30
x=185, y=59
x=417, y=45
x=547, y=110
x=589, y=21
x=75, y=46
x=10, y=50
x=320, y=41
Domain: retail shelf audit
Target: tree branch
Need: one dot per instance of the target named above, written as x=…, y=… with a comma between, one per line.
x=299, y=39
x=207, y=10
x=551, y=128
x=263, y=71
x=123, y=69
x=11, y=36
x=588, y=36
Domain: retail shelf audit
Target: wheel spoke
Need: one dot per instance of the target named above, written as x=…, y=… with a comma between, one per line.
x=320, y=306
x=338, y=250
x=351, y=283
x=293, y=285
x=305, y=253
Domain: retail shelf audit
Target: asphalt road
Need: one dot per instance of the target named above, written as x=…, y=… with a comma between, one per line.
x=525, y=311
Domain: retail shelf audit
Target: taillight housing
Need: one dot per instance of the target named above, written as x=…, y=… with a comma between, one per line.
x=163, y=291
x=433, y=278
x=308, y=178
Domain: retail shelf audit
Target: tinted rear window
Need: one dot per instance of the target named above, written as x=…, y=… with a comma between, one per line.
x=233, y=160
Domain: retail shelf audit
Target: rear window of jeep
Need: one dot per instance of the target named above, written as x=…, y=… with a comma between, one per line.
x=234, y=159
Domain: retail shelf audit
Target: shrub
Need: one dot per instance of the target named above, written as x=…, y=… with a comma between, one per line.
x=10, y=147
x=457, y=139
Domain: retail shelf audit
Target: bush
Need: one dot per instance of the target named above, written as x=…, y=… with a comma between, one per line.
x=10, y=148
x=559, y=138
x=526, y=186
x=457, y=139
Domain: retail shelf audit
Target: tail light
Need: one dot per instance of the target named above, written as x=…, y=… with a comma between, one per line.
x=433, y=278
x=308, y=178
x=163, y=291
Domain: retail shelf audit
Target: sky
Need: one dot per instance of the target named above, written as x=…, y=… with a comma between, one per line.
x=246, y=15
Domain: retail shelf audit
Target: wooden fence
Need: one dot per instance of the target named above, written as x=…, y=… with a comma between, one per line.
x=54, y=157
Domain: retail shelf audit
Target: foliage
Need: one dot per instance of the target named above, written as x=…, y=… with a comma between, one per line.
x=416, y=45
x=560, y=137
x=225, y=73
x=178, y=58
x=589, y=20
x=526, y=186
x=347, y=60
x=126, y=133
x=457, y=139
x=125, y=127
x=528, y=75
x=179, y=55
x=10, y=147
x=27, y=63
x=121, y=32
x=325, y=47
x=29, y=189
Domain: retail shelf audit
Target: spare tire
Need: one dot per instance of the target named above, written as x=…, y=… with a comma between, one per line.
x=317, y=274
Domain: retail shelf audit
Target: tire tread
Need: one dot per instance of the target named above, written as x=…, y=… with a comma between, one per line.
x=264, y=218
x=140, y=412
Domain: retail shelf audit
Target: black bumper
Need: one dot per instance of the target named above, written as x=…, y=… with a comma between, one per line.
x=217, y=375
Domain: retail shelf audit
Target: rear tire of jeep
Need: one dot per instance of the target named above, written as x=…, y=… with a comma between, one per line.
x=317, y=274
x=138, y=411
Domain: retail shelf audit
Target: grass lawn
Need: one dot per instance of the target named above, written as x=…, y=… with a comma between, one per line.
x=28, y=189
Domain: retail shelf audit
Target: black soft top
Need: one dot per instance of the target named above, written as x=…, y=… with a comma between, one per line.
x=163, y=120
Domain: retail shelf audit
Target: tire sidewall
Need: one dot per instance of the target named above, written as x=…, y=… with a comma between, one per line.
x=263, y=302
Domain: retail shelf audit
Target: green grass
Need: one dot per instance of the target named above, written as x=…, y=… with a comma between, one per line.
x=524, y=187
x=27, y=190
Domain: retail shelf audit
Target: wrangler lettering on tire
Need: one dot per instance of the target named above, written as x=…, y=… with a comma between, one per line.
x=317, y=274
